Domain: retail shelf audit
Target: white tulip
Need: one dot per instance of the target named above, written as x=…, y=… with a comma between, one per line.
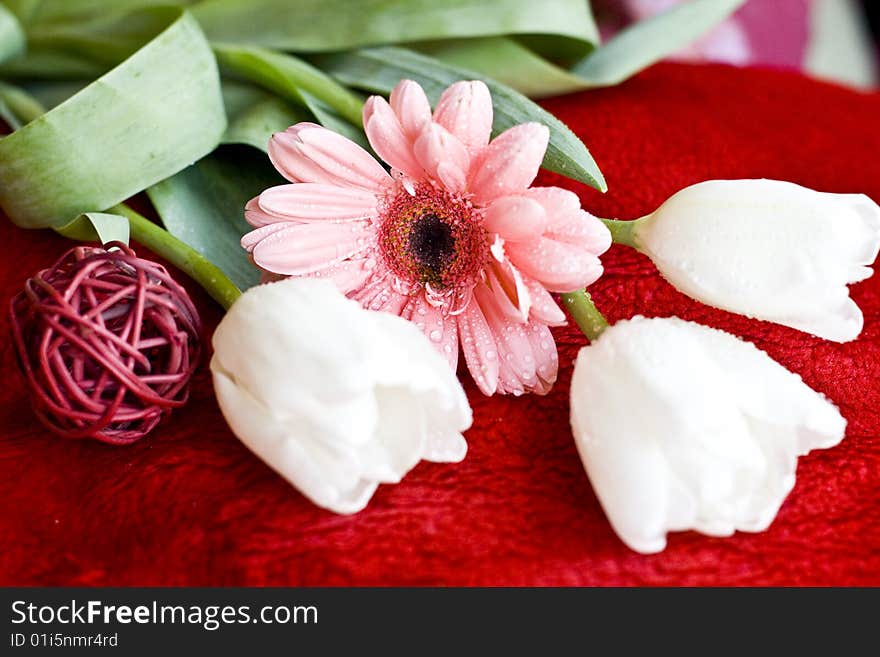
x=767, y=249
x=681, y=426
x=335, y=398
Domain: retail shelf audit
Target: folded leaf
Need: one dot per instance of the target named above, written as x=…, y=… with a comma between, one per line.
x=511, y=62
x=148, y=118
x=330, y=25
x=203, y=206
x=100, y=227
x=380, y=69
x=288, y=77
x=650, y=40
x=254, y=115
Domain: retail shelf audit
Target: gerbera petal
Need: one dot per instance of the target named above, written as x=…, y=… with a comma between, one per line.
x=544, y=307
x=348, y=275
x=480, y=350
x=583, y=230
x=509, y=164
x=557, y=202
x=511, y=294
x=546, y=356
x=256, y=216
x=307, y=152
x=378, y=295
x=567, y=222
x=515, y=218
x=441, y=330
x=442, y=156
x=387, y=138
x=410, y=104
x=317, y=201
x=254, y=237
x=559, y=266
x=465, y=110
x=304, y=248
x=516, y=371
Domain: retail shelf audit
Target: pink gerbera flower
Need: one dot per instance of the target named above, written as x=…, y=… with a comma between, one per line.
x=454, y=239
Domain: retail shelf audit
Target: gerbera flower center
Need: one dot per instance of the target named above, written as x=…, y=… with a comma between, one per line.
x=431, y=242
x=432, y=237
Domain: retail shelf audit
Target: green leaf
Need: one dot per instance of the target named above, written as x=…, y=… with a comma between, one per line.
x=18, y=107
x=203, y=206
x=100, y=227
x=37, y=12
x=48, y=64
x=11, y=35
x=650, y=40
x=255, y=115
x=289, y=77
x=150, y=117
x=51, y=93
x=107, y=38
x=509, y=62
x=380, y=69
x=330, y=25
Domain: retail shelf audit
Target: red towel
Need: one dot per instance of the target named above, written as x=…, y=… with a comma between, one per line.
x=190, y=505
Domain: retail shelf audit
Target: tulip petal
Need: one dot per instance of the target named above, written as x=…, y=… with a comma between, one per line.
x=509, y=164
x=713, y=445
x=330, y=484
x=768, y=392
x=338, y=400
x=767, y=249
x=400, y=438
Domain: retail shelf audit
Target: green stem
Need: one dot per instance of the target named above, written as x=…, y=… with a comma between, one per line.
x=286, y=76
x=624, y=232
x=585, y=314
x=179, y=254
x=25, y=107
x=144, y=231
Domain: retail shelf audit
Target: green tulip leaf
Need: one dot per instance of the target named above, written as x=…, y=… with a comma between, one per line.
x=145, y=120
x=380, y=69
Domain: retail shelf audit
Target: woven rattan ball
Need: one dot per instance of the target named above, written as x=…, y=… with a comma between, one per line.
x=107, y=343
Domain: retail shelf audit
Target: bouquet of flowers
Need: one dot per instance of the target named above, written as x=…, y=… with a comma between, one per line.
x=362, y=246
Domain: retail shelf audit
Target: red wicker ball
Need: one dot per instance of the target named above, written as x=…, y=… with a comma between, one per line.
x=107, y=343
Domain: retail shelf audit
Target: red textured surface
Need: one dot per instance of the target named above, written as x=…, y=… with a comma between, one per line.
x=191, y=506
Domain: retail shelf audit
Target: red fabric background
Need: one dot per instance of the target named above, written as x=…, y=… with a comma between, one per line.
x=191, y=506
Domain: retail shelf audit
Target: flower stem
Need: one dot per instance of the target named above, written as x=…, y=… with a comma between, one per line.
x=181, y=255
x=144, y=231
x=585, y=314
x=623, y=232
